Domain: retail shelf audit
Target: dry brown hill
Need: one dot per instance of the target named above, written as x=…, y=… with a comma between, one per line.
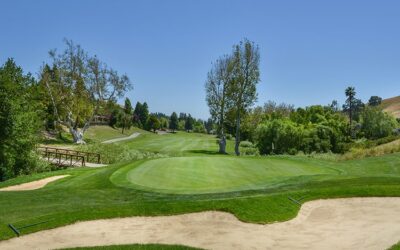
x=392, y=106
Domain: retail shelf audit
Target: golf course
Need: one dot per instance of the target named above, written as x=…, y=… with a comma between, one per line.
x=189, y=179
x=199, y=125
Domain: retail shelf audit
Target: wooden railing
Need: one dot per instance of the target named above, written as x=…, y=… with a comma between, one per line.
x=68, y=157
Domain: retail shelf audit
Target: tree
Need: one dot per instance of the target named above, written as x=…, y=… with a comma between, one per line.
x=126, y=116
x=153, y=123
x=173, y=122
x=243, y=91
x=334, y=106
x=376, y=124
x=182, y=116
x=209, y=125
x=136, y=115
x=189, y=123
x=350, y=94
x=144, y=116
x=19, y=122
x=374, y=101
x=84, y=84
x=217, y=85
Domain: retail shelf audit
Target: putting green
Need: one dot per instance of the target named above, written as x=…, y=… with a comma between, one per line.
x=214, y=174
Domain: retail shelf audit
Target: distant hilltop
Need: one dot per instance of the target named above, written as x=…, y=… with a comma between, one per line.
x=392, y=106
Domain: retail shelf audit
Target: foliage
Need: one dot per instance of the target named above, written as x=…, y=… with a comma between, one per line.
x=124, y=119
x=381, y=149
x=313, y=129
x=374, y=101
x=209, y=126
x=217, y=86
x=173, y=122
x=189, y=123
x=113, y=152
x=79, y=87
x=375, y=123
x=141, y=115
x=19, y=121
x=243, y=91
x=231, y=89
x=248, y=148
x=153, y=123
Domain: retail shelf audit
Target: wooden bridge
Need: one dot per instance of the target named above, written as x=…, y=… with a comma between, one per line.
x=69, y=157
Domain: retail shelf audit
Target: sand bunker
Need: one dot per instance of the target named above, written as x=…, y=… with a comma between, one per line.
x=33, y=185
x=356, y=223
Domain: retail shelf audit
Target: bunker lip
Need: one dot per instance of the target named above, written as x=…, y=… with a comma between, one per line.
x=362, y=223
x=33, y=185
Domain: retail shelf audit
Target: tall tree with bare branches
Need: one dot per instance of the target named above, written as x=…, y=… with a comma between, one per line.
x=217, y=87
x=243, y=90
x=83, y=85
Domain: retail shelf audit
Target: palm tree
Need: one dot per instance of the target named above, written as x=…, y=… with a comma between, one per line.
x=350, y=94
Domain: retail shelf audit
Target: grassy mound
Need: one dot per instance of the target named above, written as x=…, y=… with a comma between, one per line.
x=194, y=175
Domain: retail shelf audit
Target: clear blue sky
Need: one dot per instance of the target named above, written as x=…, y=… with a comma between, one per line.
x=310, y=50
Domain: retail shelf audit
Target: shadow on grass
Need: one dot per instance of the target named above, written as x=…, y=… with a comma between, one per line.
x=206, y=152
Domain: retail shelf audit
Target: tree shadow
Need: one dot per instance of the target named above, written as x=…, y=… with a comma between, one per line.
x=207, y=152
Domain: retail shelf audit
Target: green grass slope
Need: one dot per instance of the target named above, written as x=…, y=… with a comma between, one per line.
x=254, y=189
x=202, y=174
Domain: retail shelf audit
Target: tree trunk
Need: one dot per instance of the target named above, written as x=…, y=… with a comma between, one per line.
x=222, y=144
x=77, y=135
x=237, y=137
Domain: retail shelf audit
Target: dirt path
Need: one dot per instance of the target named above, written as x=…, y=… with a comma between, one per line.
x=33, y=184
x=134, y=135
x=356, y=223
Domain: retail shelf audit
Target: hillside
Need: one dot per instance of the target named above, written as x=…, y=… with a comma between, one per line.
x=392, y=106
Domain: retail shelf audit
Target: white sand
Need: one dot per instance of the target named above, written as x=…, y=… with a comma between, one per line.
x=356, y=223
x=34, y=184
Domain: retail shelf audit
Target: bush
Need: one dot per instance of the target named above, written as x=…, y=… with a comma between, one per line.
x=278, y=137
x=248, y=148
x=376, y=124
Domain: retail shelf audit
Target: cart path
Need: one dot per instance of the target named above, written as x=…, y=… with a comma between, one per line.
x=132, y=136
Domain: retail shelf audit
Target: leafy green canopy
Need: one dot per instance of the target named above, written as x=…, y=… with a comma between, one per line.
x=19, y=122
x=313, y=129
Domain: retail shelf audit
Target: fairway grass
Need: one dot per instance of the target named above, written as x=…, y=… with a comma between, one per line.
x=202, y=174
x=194, y=178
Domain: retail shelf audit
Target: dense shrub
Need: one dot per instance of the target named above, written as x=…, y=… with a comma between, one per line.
x=278, y=137
x=376, y=124
x=314, y=129
x=248, y=148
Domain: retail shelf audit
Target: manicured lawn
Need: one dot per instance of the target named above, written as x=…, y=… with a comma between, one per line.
x=255, y=189
x=178, y=144
x=202, y=174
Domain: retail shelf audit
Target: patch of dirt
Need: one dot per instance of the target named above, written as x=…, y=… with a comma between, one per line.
x=355, y=223
x=33, y=184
